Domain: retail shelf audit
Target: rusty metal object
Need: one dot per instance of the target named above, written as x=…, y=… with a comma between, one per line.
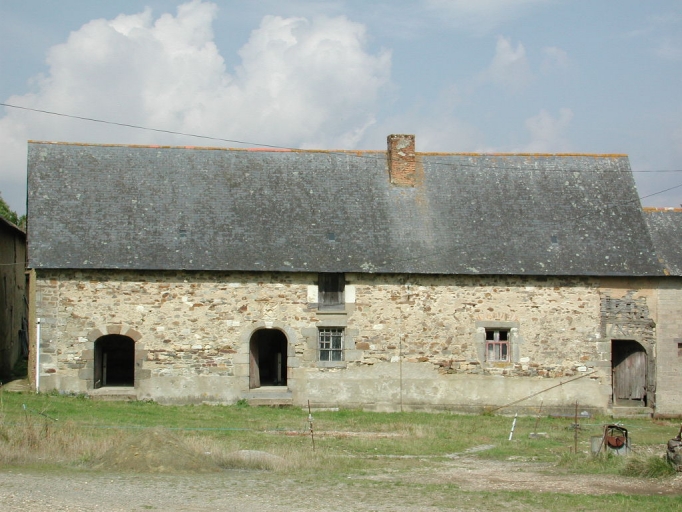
x=614, y=440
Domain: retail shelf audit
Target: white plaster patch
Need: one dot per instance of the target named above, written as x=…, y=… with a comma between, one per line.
x=524, y=360
x=197, y=347
x=312, y=293
x=349, y=293
x=378, y=327
x=82, y=339
x=582, y=368
x=232, y=323
x=395, y=359
x=160, y=328
x=268, y=324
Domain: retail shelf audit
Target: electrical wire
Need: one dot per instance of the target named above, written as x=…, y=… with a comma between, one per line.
x=355, y=153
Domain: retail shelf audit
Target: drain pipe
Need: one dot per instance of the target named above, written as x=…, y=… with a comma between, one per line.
x=37, y=355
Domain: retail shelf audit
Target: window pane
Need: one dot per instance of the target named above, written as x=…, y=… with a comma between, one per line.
x=330, y=344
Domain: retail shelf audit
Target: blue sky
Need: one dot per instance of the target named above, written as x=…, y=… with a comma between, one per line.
x=600, y=76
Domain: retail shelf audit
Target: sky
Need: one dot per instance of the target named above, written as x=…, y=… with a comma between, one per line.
x=538, y=76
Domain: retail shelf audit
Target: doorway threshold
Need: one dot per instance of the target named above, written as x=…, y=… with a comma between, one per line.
x=113, y=393
x=273, y=396
x=620, y=411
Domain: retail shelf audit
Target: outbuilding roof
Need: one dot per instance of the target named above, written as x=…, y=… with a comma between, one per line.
x=147, y=207
x=665, y=226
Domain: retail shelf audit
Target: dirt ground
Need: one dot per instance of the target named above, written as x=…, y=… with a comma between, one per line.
x=155, y=472
x=261, y=490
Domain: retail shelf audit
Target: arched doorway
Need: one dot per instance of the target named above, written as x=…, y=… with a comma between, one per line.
x=267, y=358
x=114, y=363
x=629, y=367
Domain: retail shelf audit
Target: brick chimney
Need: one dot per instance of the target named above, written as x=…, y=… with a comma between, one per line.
x=402, y=162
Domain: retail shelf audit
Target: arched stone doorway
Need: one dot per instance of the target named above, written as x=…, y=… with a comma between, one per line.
x=629, y=370
x=114, y=363
x=268, y=350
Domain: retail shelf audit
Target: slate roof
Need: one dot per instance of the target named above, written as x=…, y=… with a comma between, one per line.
x=134, y=207
x=665, y=226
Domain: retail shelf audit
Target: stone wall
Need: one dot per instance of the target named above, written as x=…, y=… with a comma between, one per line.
x=669, y=348
x=412, y=342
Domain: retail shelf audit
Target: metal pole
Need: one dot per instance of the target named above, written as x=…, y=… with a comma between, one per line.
x=537, y=420
x=310, y=423
x=576, y=427
x=37, y=355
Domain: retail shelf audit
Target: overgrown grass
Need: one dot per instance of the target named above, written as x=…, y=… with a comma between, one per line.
x=56, y=429
x=651, y=466
x=354, y=450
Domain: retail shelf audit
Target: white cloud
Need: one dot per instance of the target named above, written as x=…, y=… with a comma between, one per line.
x=554, y=58
x=509, y=67
x=548, y=134
x=480, y=16
x=300, y=83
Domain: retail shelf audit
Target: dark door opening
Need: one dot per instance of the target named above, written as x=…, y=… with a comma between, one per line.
x=629, y=363
x=114, y=361
x=268, y=358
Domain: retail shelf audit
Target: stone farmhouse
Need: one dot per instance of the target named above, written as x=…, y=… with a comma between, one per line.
x=383, y=280
x=13, y=304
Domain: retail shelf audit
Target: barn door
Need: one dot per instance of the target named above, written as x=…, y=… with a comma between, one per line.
x=254, y=371
x=629, y=372
x=268, y=358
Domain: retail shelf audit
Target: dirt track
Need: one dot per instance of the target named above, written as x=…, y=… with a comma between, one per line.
x=450, y=484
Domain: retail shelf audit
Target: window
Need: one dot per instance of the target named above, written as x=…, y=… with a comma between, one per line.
x=330, y=290
x=330, y=343
x=496, y=345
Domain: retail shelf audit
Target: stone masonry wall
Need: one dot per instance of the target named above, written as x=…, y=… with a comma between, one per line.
x=192, y=332
x=669, y=349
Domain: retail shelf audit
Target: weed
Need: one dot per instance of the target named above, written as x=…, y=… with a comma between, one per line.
x=648, y=467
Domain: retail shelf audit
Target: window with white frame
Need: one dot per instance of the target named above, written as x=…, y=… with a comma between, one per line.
x=497, y=345
x=330, y=343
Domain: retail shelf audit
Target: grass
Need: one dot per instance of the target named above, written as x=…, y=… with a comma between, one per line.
x=342, y=432
x=360, y=449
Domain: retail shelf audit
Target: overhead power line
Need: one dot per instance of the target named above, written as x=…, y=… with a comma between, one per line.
x=138, y=127
x=274, y=146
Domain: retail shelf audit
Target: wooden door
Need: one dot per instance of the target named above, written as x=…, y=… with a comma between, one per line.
x=629, y=370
